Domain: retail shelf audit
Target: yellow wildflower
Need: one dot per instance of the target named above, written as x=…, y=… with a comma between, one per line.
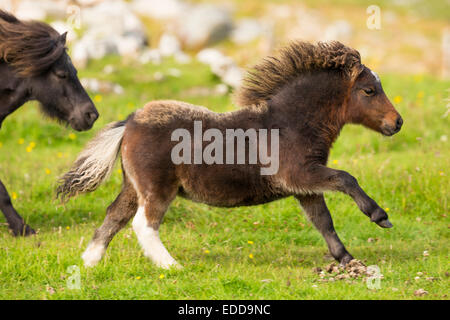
x=21, y=141
x=250, y=256
x=13, y=195
x=72, y=136
x=398, y=99
x=420, y=94
x=161, y=276
x=98, y=98
x=250, y=242
x=47, y=171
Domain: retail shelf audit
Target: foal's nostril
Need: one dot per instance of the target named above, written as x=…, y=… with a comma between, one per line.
x=399, y=123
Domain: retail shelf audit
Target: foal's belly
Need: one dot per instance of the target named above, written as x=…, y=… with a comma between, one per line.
x=227, y=187
x=243, y=200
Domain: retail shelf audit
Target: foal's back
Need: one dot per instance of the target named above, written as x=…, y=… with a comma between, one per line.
x=147, y=148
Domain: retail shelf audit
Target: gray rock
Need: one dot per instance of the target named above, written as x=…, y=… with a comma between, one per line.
x=159, y=9
x=339, y=30
x=222, y=66
x=88, y=2
x=62, y=27
x=113, y=17
x=169, y=45
x=130, y=43
x=203, y=25
x=101, y=86
x=93, y=45
x=80, y=55
x=39, y=10
x=182, y=58
x=150, y=56
x=247, y=30
x=112, y=28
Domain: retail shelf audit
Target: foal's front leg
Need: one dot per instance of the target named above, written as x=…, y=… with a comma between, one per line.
x=15, y=221
x=337, y=180
x=317, y=212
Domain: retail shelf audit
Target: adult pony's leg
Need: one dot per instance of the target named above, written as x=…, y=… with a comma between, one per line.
x=337, y=180
x=15, y=221
x=317, y=212
x=117, y=216
x=146, y=225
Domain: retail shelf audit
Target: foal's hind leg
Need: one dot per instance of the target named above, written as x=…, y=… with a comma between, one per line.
x=318, y=214
x=146, y=224
x=117, y=216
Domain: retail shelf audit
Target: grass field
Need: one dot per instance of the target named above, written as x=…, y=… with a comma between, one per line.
x=262, y=252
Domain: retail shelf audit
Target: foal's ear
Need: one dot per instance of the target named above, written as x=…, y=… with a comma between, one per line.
x=62, y=38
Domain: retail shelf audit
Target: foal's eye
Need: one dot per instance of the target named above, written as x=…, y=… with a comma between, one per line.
x=369, y=91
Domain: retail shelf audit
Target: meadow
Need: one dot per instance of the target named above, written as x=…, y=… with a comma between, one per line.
x=262, y=252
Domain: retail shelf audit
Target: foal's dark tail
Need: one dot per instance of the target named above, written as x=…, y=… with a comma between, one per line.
x=94, y=164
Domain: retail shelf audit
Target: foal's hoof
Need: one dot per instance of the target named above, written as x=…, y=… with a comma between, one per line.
x=385, y=223
x=345, y=260
x=380, y=217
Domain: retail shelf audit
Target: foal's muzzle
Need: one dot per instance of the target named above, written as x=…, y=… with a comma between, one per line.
x=391, y=129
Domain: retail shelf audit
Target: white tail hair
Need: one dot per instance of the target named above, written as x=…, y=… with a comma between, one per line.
x=94, y=164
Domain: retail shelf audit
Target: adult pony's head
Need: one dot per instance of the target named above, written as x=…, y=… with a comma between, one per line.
x=35, y=66
x=325, y=82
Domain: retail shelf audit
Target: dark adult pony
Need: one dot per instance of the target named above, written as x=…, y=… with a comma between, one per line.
x=34, y=65
x=308, y=92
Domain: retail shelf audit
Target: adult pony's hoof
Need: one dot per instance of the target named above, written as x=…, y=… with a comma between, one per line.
x=24, y=230
x=385, y=223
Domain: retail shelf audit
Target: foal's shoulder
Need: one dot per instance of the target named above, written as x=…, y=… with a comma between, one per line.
x=163, y=111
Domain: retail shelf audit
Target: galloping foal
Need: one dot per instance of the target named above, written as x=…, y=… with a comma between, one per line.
x=308, y=93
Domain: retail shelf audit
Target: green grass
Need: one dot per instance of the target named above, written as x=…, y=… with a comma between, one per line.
x=407, y=173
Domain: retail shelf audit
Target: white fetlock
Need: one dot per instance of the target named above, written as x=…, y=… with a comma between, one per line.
x=151, y=243
x=93, y=254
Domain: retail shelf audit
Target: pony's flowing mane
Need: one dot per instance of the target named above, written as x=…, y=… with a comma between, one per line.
x=30, y=47
x=266, y=78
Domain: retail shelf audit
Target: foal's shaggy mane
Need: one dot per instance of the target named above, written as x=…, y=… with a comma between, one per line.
x=30, y=47
x=266, y=78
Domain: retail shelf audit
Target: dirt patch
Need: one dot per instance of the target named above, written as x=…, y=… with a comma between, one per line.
x=353, y=270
